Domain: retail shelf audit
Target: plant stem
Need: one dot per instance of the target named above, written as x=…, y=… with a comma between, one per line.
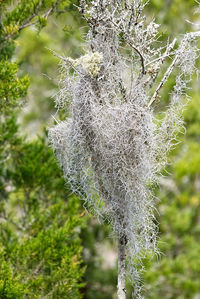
x=121, y=293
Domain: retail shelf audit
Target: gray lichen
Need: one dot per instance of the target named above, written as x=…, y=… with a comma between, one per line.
x=112, y=147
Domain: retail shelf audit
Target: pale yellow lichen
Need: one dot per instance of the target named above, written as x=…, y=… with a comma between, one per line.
x=90, y=62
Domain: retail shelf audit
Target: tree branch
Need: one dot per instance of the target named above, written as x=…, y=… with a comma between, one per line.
x=121, y=293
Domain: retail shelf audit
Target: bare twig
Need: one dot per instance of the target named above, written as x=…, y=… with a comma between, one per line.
x=166, y=54
x=36, y=11
x=162, y=82
x=131, y=44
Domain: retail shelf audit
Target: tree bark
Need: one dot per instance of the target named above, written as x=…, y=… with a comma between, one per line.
x=121, y=293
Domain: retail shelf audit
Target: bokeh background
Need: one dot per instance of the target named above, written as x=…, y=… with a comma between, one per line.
x=49, y=246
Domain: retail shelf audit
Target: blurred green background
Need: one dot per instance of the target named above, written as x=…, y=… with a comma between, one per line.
x=49, y=247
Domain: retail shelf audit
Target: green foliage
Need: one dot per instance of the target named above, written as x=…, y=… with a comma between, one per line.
x=12, y=88
x=45, y=258
x=40, y=221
